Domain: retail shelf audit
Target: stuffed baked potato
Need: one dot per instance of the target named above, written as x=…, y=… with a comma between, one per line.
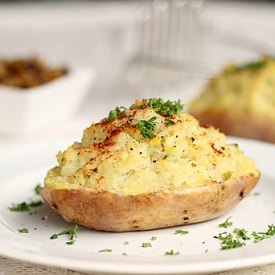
x=240, y=101
x=146, y=167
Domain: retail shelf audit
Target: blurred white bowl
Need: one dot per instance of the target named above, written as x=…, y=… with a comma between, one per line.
x=26, y=111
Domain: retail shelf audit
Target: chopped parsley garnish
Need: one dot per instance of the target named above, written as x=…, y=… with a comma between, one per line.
x=54, y=236
x=166, y=108
x=259, y=236
x=72, y=231
x=146, y=245
x=35, y=203
x=23, y=230
x=153, y=238
x=105, y=250
x=181, y=232
x=171, y=253
x=37, y=189
x=169, y=122
x=20, y=207
x=228, y=241
x=147, y=127
x=241, y=233
x=238, y=237
x=25, y=207
x=113, y=114
x=226, y=224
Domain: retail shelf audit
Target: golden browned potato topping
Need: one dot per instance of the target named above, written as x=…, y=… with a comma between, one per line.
x=151, y=146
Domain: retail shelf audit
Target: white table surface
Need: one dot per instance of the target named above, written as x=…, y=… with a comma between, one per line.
x=109, y=23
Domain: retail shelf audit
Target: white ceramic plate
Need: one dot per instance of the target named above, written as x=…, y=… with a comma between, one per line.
x=23, y=167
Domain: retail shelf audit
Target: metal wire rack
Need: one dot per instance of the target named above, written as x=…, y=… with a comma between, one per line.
x=167, y=62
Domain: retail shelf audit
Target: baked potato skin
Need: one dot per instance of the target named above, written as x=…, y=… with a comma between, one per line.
x=240, y=125
x=108, y=211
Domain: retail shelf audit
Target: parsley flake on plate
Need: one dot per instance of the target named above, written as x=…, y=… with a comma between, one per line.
x=259, y=236
x=146, y=245
x=37, y=189
x=228, y=241
x=24, y=206
x=105, y=250
x=239, y=237
x=226, y=224
x=241, y=233
x=72, y=231
x=171, y=253
x=181, y=232
x=23, y=230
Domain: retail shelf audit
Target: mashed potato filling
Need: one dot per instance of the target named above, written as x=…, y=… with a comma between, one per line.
x=144, y=149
